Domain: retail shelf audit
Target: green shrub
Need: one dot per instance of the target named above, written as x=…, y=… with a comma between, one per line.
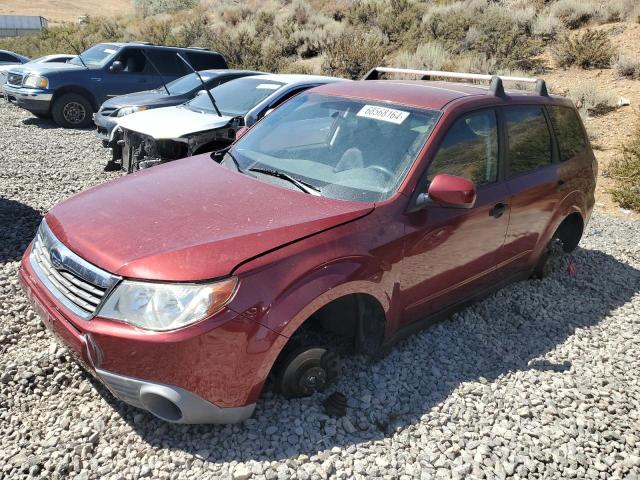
x=486, y=29
x=590, y=49
x=144, y=8
x=574, y=13
x=352, y=53
x=546, y=26
x=591, y=99
x=625, y=171
x=628, y=67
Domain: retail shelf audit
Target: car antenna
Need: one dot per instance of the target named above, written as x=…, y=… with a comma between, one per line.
x=75, y=49
x=213, y=102
x=164, y=84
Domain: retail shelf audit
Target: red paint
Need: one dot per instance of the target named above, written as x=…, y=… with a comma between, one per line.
x=194, y=220
x=452, y=191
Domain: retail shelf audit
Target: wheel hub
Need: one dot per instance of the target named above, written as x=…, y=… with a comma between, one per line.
x=314, y=378
x=74, y=112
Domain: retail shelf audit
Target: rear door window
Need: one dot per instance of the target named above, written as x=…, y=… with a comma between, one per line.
x=568, y=127
x=529, y=139
x=469, y=149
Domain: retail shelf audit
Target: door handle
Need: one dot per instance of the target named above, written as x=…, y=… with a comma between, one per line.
x=498, y=210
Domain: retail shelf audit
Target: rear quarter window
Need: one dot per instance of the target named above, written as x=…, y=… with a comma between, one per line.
x=568, y=127
x=206, y=60
x=529, y=139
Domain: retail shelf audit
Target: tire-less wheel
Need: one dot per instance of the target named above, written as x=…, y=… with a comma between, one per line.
x=72, y=110
x=306, y=370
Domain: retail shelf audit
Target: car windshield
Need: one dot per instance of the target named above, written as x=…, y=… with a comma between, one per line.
x=184, y=84
x=349, y=149
x=96, y=56
x=237, y=97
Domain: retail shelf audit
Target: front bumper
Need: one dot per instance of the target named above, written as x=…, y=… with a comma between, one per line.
x=106, y=129
x=32, y=99
x=210, y=372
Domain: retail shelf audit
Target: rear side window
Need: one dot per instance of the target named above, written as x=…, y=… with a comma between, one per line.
x=5, y=57
x=205, y=61
x=167, y=62
x=569, y=133
x=529, y=139
x=469, y=149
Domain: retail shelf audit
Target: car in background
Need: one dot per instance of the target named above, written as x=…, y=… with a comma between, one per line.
x=348, y=218
x=12, y=58
x=208, y=122
x=73, y=91
x=173, y=93
x=54, y=58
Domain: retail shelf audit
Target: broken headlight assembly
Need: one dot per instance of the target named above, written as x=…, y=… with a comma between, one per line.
x=124, y=111
x=166, y=306
x=35, y=81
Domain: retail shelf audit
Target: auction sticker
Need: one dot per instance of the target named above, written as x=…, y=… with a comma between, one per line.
x=383, y=113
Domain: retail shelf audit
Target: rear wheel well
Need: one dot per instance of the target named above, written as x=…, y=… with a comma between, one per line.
x=570, y=232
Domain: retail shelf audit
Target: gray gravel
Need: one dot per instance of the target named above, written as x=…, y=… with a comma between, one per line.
x=538, y=381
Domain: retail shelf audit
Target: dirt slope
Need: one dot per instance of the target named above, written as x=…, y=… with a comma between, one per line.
x=57, y=11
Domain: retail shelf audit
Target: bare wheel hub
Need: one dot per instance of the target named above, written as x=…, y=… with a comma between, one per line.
x=74, y=112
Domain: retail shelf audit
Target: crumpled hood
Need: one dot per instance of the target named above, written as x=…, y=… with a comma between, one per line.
x=149, y=98
x=172, y=122
x=190, y=220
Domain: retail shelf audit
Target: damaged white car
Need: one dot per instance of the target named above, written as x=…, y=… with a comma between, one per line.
x=208, y=122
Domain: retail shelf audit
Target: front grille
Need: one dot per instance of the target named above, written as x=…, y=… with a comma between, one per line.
x=14, y=79
x=78, y=285
x=107, y=111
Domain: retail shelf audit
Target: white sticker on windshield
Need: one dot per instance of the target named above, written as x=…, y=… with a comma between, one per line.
x=383, y=113
x=109, y=50
x=268, y=86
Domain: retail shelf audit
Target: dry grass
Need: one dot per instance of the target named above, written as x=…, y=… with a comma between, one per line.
x=60, y=11
x=625, y=171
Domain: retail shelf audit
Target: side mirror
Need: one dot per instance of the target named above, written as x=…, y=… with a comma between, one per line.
x=451, y=191
x=241, y=132
x=116, y=67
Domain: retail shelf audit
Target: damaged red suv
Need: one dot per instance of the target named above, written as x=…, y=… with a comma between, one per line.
x=355, y=213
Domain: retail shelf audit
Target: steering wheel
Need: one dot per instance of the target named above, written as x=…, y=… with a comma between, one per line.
x=384, y=170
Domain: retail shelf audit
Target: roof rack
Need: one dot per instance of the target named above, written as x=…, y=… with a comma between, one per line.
x=141, y=42
x=495, y=86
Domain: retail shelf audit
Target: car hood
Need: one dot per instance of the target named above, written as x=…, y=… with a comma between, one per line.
x=47, y=68
x=146, y=98
x=172, y=122
x=190, y=220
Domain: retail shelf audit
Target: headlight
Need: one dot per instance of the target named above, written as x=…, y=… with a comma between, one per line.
x=129, y=110
x=166, y=306
x=35, y=81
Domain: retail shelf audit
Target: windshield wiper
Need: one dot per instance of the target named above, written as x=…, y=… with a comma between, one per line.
x=77, y=50
x=304, y=186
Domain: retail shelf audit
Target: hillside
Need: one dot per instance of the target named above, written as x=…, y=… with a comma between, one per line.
x=59, y=11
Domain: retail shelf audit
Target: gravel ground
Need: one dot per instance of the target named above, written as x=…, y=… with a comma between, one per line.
x=538, y=381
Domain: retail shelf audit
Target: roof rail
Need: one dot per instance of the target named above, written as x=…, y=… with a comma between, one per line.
x=141, y=42
x=495, y=86
x=203, y=49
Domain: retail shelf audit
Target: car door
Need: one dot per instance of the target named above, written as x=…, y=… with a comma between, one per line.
x=451, y=253
x=532, y=181
x=137, y=74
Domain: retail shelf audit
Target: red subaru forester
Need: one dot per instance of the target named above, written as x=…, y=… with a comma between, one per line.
x=356, y=212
